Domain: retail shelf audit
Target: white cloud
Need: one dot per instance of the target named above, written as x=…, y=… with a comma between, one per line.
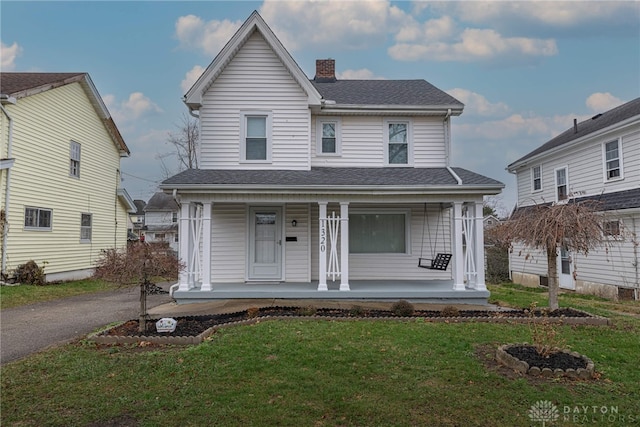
x=361, y=74
x=474, y=45
x=210, y=37
x=191, y=77
x=477, y=104
x=137, y=105
x=559, y=14
x=8, y=55
x=433, y=29
x=600, y=102
x=347, y=24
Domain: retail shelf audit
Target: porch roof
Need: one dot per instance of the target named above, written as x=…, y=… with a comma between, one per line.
x=425, y=179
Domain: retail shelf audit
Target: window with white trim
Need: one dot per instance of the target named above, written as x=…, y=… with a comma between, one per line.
x=37, y=219
x=86, y=221
x=174, y=217
x=397, y=136
x=381, y=232
x=74, y=161
x=256, y=136
x=536, y=177
x=562, y=184
x=328, y=135
x=612, y=160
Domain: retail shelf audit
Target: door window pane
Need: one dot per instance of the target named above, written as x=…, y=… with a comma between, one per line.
x=265, y=246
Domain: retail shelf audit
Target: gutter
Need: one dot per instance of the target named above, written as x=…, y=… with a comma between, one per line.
x=7, y=195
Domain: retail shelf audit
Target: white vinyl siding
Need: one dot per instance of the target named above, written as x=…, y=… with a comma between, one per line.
x=586, y=169
x=44, y=124
x=228, y=243
x=362, y=143
x=297, y=256
x=255, y=79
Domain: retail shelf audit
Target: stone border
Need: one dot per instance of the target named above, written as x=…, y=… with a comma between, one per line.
x=99, y=338
x=523, y=367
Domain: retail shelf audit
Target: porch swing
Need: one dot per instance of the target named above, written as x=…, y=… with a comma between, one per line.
x=441, y=260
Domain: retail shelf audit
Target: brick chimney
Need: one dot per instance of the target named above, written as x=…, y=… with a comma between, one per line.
x=325, y=71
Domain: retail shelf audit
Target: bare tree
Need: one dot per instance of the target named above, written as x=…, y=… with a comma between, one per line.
x=574, y=226
x=139, y=263
x=185, y=141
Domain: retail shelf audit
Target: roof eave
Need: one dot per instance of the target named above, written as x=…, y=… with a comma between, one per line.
x=339, y=189
x=526, y=160
x=453, y=110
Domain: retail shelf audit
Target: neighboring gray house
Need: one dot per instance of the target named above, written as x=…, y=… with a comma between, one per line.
x=324, y=188
x=136, y=220
x=161, y=220
x=599, y=159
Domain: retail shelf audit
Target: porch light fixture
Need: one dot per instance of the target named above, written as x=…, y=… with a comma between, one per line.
x=294, y=223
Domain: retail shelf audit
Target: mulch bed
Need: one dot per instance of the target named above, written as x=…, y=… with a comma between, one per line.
x=558, y=360
x=195, y=325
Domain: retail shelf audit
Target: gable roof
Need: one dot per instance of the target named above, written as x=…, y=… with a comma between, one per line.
x=333, y=179
x=616, y=116
x=387, y=93
x=161, y=202
x=614, y=201
x=21, y=85
x=193, y=97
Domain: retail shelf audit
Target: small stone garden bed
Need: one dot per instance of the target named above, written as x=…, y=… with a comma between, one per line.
x=526, y=359
x=194, y=329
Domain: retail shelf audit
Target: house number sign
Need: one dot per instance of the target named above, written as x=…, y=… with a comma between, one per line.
x=323, y=236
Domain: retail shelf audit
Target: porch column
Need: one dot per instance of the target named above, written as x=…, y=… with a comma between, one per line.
x=184, y=280
x=344, y=246
x=322, y=252
x=479, y=246
x=458, y=253
x=206, y=247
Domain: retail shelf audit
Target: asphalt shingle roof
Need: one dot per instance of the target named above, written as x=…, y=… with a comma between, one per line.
x=161, y=202
x=618, y=200
x=597, y=122
x=12, y=83
x=330, y=177
x=385, y=92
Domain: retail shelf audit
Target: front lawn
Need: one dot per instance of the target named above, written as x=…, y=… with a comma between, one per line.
x=326, y=373
x=13, y=296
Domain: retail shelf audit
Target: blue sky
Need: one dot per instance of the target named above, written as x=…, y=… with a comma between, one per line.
x=523, y=69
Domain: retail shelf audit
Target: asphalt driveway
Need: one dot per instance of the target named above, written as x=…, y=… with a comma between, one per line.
x=27, y=329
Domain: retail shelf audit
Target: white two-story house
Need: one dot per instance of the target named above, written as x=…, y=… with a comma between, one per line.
x=324, y=188
x=161, y=220
x=597, y=159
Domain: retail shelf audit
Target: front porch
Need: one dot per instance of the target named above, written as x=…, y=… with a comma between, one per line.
x=423, y=291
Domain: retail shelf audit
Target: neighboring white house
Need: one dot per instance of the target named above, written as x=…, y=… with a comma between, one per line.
x=598, y=159
x=323, y=188
x=60, y=153
x=161, y=220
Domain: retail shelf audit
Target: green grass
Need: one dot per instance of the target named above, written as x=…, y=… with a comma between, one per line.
x=13, y=296
x=322, y=373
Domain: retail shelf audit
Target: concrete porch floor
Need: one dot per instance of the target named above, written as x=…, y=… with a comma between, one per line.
x=430, y=291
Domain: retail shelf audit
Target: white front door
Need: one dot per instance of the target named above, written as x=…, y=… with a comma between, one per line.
x=265, y=243
x=565, y=273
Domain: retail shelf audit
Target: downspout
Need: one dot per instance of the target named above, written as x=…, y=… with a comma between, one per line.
x=634, y=243
x=447, y=136
x=7, y=195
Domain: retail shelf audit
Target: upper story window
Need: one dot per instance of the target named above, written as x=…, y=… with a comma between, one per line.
x=256, y=136
x=328, y=136
x=74, y=162
x=611, y=228
x=562, y=184
x=174, y=217
x=85, y=227
x=398, y=141
x=37, y=219
x=612, y=160
x=536, y=177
